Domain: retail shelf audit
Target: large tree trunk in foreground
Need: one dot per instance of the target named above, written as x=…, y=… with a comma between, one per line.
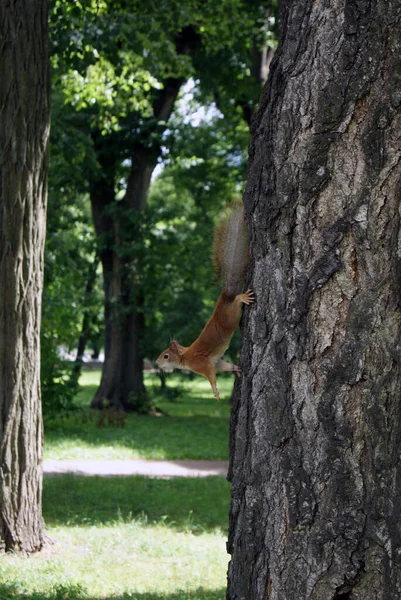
x=316, y=423
x=24, y=131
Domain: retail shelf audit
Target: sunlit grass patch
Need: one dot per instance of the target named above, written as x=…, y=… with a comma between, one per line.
x=129, y=560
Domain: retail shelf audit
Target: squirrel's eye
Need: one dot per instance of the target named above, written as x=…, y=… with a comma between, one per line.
x=165, y=356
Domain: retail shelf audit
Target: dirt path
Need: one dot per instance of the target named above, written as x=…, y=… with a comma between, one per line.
x=148, y=468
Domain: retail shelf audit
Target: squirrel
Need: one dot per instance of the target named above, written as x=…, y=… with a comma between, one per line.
x=230, y=257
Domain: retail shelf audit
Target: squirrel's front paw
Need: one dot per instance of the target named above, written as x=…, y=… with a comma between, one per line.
x=248, y=297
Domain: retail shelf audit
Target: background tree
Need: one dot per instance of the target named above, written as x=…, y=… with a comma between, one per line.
x=24, y=130
x=316, y=423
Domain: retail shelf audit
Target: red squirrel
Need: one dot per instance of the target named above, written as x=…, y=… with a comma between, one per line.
x=230, y=254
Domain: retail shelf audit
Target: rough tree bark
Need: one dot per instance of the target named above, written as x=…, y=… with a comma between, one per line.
x=316, y=422
x=122, y=382
x=24, y=131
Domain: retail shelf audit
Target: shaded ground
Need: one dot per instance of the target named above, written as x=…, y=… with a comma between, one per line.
x=148, y=468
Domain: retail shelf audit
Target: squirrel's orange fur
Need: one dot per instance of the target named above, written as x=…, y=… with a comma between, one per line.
x=230, y=258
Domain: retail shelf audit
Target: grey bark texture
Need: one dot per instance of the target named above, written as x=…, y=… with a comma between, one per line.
x=315, y=438
x=24, y=131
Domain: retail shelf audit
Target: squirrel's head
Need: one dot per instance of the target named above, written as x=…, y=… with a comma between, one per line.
x=171, y=358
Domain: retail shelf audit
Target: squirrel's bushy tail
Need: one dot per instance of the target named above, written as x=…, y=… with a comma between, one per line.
x=231, y=249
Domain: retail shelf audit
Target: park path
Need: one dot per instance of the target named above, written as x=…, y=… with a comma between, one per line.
x=147, y=468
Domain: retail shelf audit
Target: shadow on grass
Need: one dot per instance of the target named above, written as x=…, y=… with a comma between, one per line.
x=175, y=437
x=13, y=592
x=195, y=504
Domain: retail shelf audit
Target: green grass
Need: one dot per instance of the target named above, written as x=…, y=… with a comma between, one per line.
x=126, y=538
x=196, y=426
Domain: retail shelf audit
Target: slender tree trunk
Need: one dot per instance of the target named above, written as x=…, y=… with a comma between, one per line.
x=122, y=382
x=86, y=323
x=261, y=60
x=24, y=132
x=316, y=422
x=102, y=199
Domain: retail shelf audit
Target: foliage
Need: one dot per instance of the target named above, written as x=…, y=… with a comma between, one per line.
x=57, y=393
x=111, y=57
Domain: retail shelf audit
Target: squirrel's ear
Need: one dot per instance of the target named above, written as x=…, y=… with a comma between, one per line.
x=174, y=346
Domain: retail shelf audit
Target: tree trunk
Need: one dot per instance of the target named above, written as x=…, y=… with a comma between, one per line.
x=24, y=132
x=260, y=65
x=86, y=323
x=122, y=382
x=316, y=422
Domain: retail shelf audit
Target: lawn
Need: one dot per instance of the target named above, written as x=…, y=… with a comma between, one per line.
x=132, y=538
x=126, y=538
x=196, y=426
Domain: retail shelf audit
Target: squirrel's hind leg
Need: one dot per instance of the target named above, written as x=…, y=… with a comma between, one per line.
x=211, y=376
